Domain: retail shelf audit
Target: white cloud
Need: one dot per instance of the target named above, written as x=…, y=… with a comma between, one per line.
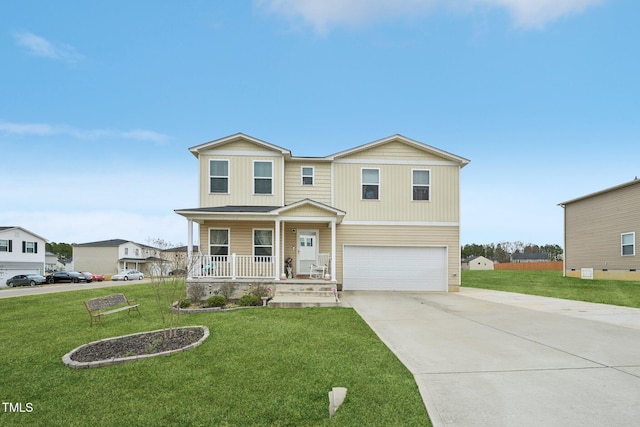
x=322, y=15
x=39, y=46
x=44, y=129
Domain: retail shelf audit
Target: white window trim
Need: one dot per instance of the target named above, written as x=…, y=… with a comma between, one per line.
x=303, y=176
x=228, y=245
x=379, y=184
x=221, y=176
x=622, y=245
x=428, y=185
x=253, y=182
x=5, y=246
x=253, y=241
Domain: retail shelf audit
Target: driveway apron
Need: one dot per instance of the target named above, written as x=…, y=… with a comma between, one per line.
x=484, y=363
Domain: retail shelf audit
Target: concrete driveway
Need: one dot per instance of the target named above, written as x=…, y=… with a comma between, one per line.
x=485, y=358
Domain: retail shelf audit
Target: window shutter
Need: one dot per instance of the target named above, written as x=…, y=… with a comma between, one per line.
x=24, y=246
x=10, y=245
x=35, y=247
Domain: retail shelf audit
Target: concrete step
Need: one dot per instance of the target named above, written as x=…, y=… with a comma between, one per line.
x=300, y=301
x=328, y=294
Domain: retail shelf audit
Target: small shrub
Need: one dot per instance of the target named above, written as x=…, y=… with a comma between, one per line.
x=259, y=290
x=227, y=289
x=196, y=292
x=248, y=300
x=216, y=301
x=185, y=303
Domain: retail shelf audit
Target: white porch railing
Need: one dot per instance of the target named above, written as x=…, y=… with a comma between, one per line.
x=232, y=266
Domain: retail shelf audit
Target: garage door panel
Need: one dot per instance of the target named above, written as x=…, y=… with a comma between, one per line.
x=394, y=268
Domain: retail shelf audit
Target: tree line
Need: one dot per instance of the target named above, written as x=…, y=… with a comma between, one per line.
x=501, y=252
x=64, y=251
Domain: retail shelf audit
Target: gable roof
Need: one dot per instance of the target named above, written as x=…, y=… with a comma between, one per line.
x=11, y=227
x=110, y=243
x=597, y=193
x=403, y=139
x=197, y=149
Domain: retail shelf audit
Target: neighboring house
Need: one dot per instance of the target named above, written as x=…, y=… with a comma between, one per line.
x=600, y=232
x=535, y=257
x=386, y=215
x=113, y=256
x=178, y=257
x=21, y=252
x=477, y=263
x=52, y=263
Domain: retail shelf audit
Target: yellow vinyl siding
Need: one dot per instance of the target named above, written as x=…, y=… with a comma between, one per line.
x=320, y=191
x=395, y=203
x=241, y=182
x=402, y=236
x=96, y=259
x=395, y=151
x=240, y=234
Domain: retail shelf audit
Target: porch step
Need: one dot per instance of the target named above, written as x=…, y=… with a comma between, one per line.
x=317, y=293
x=301, y=301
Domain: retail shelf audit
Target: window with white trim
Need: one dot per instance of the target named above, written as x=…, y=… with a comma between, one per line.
x=219, y=176
x=262, y=243
x=420, y=184
x=370, y=184
x=5, y=246
x=262, y=177
x=307, y=175
x=628, y=243
x=29, y=247
x=218, y=241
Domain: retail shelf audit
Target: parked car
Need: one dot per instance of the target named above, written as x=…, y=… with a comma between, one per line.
x=65, y=277
x=88, y=276
x=94, y=277
x=178, y=272
x=128, y=275
x=26, y=280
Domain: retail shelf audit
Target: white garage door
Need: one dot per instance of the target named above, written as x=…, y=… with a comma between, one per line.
x=394, y=268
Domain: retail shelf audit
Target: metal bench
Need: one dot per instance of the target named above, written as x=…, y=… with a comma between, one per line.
x=98, y=307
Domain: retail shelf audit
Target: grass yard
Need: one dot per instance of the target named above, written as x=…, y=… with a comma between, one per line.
x=552, y=284
x=259, y=366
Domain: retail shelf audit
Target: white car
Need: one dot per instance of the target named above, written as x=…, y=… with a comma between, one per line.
x=128, y=275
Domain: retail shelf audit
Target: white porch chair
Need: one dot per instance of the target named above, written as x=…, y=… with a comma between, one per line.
x=320, y=267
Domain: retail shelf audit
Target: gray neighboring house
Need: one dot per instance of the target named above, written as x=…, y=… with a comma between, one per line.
x=21, y=252
x=113, y=256
x=530, y=257
x=600, y=233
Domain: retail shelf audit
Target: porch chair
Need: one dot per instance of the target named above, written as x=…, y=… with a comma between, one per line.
x=320, y=267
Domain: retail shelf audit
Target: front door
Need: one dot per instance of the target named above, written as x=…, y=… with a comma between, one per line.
x=307, y=251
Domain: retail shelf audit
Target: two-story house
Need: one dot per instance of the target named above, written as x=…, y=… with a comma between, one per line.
x=380, y=216
x=21, y=252
x=113, y=256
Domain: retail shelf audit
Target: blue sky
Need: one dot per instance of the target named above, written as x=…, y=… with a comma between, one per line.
x=100, y=101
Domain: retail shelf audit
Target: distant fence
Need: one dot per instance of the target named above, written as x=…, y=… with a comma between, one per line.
x=552, y=265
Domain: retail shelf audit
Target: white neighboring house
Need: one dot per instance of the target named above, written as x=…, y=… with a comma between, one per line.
x=477, y=263
x=21, y=252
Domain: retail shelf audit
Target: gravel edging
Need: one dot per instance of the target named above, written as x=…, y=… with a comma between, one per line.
x=67, y=358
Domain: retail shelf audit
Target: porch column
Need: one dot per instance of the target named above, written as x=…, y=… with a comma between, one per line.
x=189, y=238
x=333, y=249
x=276, y=250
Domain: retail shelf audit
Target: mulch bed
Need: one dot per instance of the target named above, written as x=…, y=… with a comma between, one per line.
x=136, y=345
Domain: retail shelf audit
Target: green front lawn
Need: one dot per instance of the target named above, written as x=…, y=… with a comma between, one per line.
x=259, y=366
x=552, y=284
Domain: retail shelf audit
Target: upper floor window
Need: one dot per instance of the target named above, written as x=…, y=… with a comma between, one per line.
x=370, y=184
x=219, y=176
x=307, y=175
x=137, y=252
x=262, y=177
x=126, y=251
x=420, y=184
x=5, y=246
x=219, y=241
x=29, y=247
x=628, y=241
x=262, y=243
